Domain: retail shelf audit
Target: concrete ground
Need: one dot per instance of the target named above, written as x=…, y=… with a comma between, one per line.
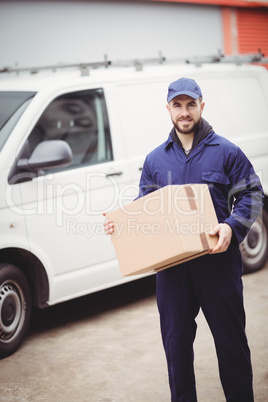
x=106, y=347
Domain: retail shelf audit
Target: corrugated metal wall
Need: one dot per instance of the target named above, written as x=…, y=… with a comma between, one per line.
x=252, y=30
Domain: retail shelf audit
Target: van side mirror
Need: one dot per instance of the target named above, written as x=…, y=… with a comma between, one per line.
x=47, y=155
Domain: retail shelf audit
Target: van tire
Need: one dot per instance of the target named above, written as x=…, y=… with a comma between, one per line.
x=15, y=308
x=254, y=248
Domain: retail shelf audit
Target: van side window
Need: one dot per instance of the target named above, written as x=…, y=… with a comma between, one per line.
x=80, y=119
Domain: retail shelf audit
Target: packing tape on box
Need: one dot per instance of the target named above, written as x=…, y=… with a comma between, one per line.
x=204, y=241
x=191, y=198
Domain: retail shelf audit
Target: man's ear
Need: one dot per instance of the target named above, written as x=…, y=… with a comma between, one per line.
x=168, y=107
x=202, y=106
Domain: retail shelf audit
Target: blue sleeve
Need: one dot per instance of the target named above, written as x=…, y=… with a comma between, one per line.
x=246, y=195
x=146, y=185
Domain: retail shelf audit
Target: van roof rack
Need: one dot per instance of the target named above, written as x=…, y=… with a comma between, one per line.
x=256, y=58
x=84, y=67
x=236, y=58
x=139, y=63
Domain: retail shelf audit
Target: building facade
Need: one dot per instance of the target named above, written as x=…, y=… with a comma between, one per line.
x=52, y=32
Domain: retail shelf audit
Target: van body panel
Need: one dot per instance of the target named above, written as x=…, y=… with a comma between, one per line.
x=57, y=214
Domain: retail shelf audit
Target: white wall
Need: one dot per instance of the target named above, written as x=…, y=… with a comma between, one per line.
x=42, y=33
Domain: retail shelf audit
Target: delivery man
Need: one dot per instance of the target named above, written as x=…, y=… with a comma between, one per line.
x=193, y=153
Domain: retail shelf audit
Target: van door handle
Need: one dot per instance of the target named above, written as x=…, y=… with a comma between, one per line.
x=114, y=174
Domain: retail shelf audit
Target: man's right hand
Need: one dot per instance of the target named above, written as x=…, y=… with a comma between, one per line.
x=108, y=225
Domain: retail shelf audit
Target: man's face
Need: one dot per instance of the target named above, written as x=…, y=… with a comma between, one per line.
x=185, y=113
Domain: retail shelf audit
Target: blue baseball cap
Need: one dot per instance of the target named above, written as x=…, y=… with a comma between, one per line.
x=184, y=86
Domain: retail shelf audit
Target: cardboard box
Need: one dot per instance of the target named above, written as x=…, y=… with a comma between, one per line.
x=164, y=228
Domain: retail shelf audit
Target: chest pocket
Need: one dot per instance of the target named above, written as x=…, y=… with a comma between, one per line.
x=215, y=177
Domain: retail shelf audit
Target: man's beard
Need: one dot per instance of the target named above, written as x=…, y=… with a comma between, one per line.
x=189, y=130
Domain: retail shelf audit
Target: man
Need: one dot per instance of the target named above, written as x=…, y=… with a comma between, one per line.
x=193, y=153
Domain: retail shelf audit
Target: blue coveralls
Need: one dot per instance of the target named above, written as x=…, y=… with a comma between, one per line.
x=212, y=282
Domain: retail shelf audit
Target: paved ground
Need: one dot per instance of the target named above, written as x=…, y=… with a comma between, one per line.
x=107, y=347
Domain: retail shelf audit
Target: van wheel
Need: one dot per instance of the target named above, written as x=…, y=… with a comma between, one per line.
x=15, y=308
x=254, y=248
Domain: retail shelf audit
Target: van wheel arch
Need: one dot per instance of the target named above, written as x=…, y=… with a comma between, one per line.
x=254, y=248
x=23, y=284
x=34, y=271
x=15, y=308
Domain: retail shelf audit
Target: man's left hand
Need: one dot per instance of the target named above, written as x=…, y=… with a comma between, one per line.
x=224, y=232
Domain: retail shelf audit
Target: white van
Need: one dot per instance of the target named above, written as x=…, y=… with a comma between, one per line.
x=72, y=145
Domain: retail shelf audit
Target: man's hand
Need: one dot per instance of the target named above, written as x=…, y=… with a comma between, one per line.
x=224, y=232
x=108, y=225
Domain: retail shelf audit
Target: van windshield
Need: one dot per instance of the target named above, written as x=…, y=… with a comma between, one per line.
x=12, y=106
